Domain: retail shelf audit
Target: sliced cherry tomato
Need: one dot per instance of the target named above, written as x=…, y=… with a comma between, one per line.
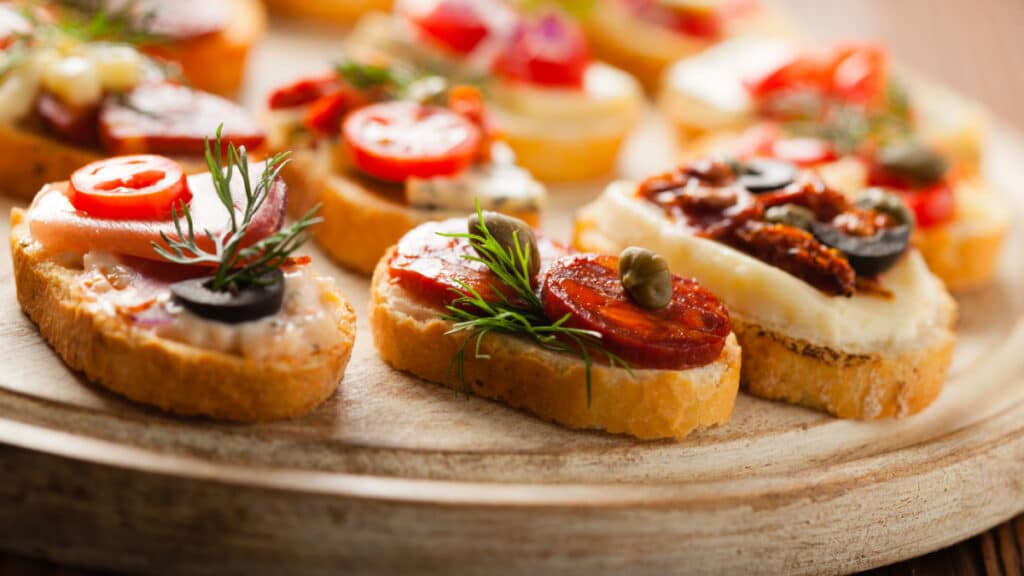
x=456, y=25
x=394, y=141
x=690, y=331
x=932, y=206
x=303, y=91
x=550, y=51
x=801, y=72
x=805, y=152
x=859, y=73
x=698, y=21
x=143, y=187
x=325, y=114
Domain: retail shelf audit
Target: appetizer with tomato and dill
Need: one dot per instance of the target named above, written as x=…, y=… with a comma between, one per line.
x=182, y=292
x=564, y=114
x=839, y=114
x=646, y=36
x=383, y=149
x=69, y=97
x=209, y=40
x=616, y=343
x=833, y=308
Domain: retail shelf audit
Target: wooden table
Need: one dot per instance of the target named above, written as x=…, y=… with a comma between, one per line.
x=975, y=46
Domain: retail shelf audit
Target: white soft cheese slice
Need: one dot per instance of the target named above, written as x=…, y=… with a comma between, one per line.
x=770, y=297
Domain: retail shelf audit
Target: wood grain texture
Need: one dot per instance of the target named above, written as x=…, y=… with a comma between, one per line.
x=395, y=474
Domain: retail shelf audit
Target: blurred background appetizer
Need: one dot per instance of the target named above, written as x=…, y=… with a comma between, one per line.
x=384, y=148
x=562, y=112
x=645, y=36
x=209, y=40
x=69, y=97
x=182, y=292
x=832, y=307
x=326, y=11
x=617, y=343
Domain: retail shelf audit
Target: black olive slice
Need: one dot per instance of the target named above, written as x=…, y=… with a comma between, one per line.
x=764, y=175
x=231, y=306
x=868, y=255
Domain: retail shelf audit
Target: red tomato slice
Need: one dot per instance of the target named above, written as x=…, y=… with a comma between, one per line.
x=802, y=72
x=303, y=91
x=859, y=73
x=325, y=114
x=129, y=187
x=932, y=206
x=456, y=25
x=394, y=141
x=550, y=51
x=698, y=22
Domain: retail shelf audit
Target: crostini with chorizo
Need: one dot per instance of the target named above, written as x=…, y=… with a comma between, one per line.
x=616, y=343
x=67, y=100
x=181, y=292
x=833, y=308
x=564, y=114
x=384, y=149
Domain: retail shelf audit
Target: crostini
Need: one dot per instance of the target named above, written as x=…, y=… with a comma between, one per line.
x=180, y=292
x=564, y=114
x=832, y=308
x=209, y=40
x=383, y=150
x=66, y=102
x=960, y=222
x=330, y=11
x=646, y=36
x=847, y=92
x=585, y=340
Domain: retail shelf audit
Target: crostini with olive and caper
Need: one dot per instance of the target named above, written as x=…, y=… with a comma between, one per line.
x=616, y=343
x=833, y=307
x=181, y=292
x=383, y=147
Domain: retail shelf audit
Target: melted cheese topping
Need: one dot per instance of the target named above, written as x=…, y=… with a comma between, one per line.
x=707, y=90
x=775, y=299
x=304, y=325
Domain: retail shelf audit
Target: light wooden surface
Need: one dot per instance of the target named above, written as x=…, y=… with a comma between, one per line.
x=396, y=474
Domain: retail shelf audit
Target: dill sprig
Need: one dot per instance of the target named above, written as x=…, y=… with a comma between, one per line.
x=522, y=315
x=92, y=21
x=236, y=266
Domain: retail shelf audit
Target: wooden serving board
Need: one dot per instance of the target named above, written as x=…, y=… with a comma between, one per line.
x=393, y=474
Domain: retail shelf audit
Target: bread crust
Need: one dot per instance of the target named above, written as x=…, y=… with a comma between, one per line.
x=410, y=336
x=333, y=11
x=216, y=62
x=172, y=376
x=29, y=160
x=892, y=381
x=360, y=223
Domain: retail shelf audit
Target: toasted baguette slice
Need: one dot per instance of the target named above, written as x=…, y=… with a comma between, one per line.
x=651, y=404
x=216, y=62
x=361, y=219
x=962, y=253
x=330, y=11
x=171, y=375
x=645, y=50
x=895, y=380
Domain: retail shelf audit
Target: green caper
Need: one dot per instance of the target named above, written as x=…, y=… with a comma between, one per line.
x=507, y=231
x=646, y=277
x=914, y=162
x=791, y=215
x=881, y=201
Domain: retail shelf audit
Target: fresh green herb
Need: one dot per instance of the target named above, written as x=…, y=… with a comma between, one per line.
x=236, y=266
x=522, y=315
x=575, y=8
x=372, y=76
x=848, y=127
x=93, y=21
